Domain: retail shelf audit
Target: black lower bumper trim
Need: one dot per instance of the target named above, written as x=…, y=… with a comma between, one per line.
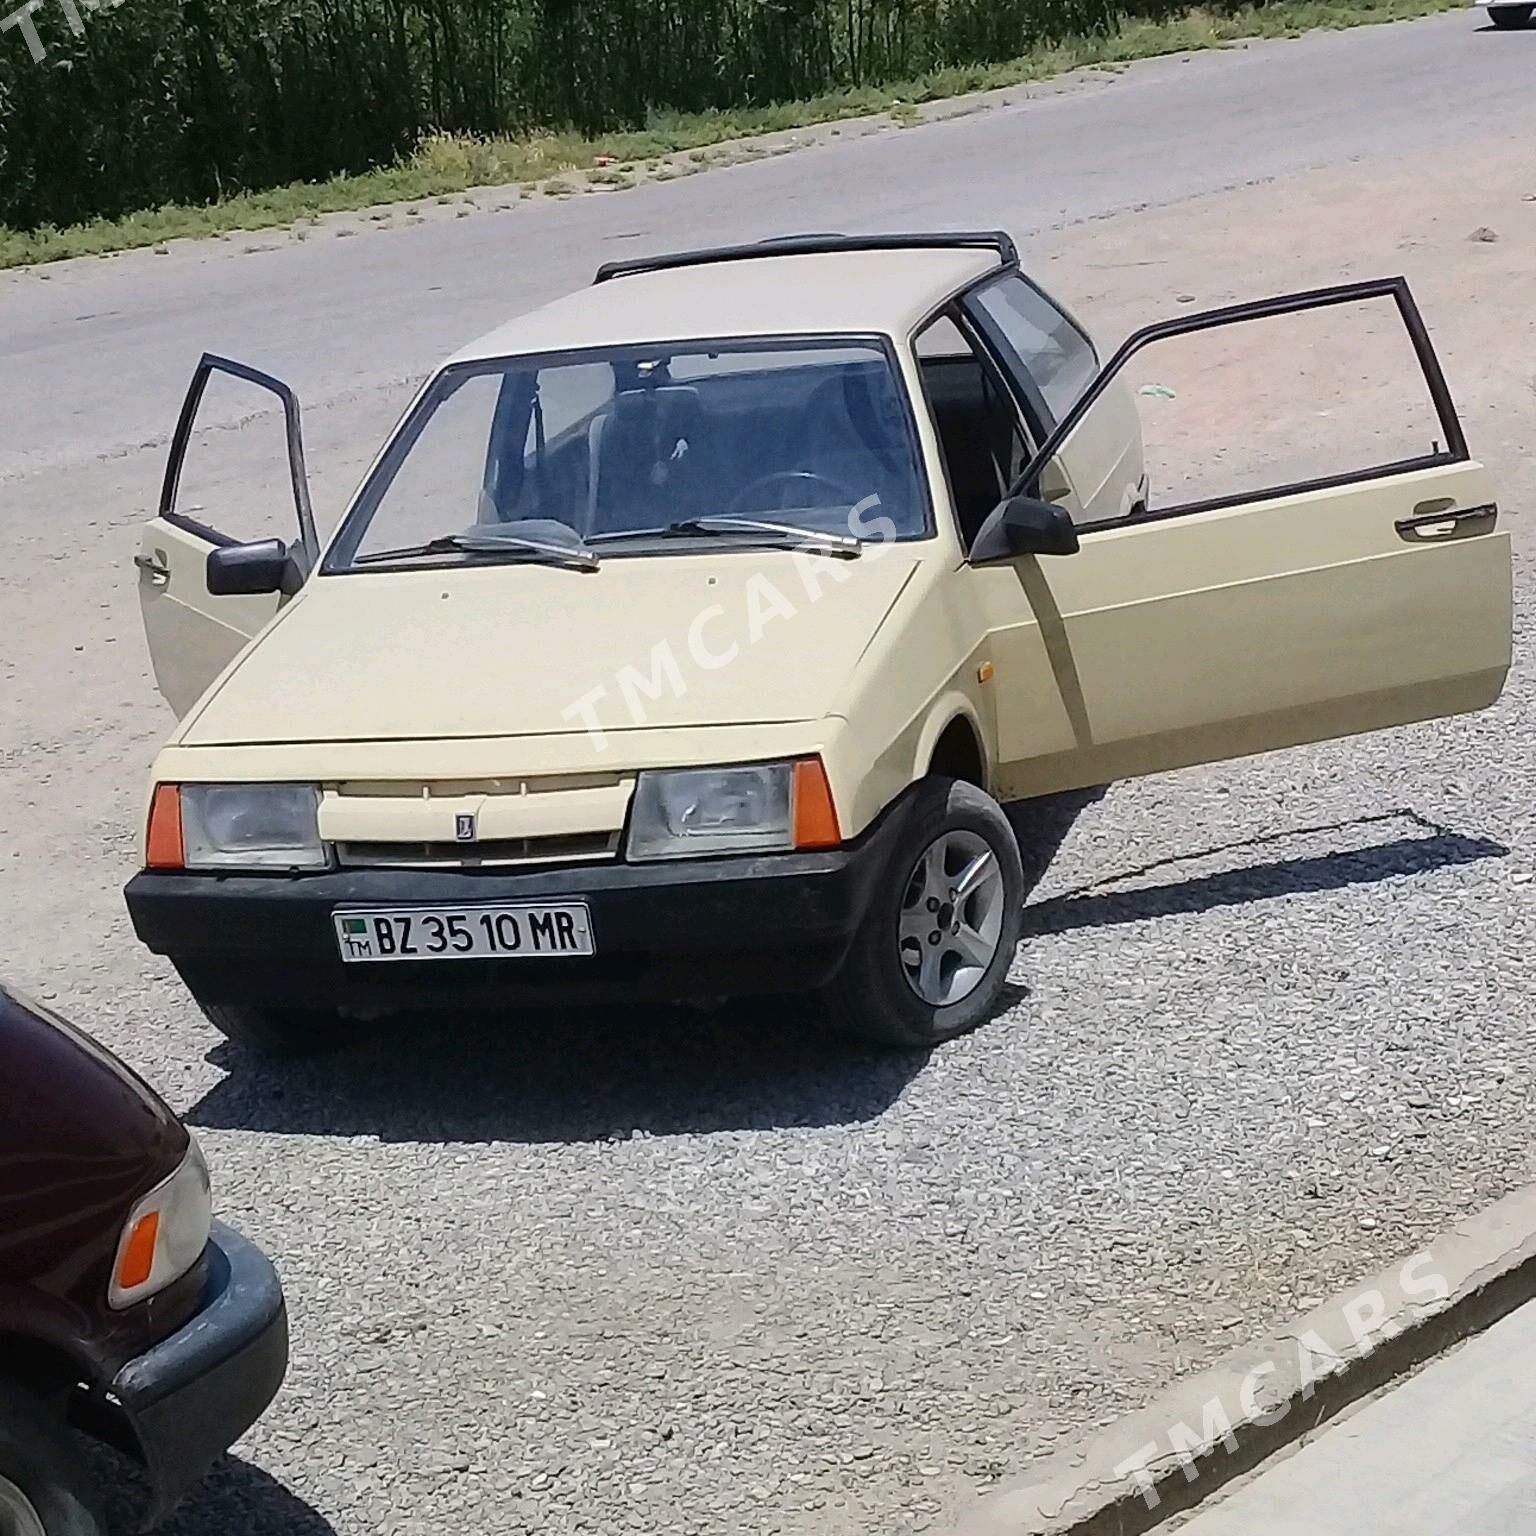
x=194, y=1394
x=701, y=927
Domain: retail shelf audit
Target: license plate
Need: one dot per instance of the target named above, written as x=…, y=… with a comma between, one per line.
x=465, y=933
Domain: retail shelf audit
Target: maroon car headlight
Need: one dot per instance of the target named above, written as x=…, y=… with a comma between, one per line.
x=165, y=1233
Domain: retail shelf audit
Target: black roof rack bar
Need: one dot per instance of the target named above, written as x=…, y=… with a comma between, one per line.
x=815, y=245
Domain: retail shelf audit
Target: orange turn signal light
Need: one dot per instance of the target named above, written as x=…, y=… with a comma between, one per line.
x=165, y=849
x=815, y=814
x=138, y=1257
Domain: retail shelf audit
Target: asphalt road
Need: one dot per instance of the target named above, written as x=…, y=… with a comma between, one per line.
x=96, y=357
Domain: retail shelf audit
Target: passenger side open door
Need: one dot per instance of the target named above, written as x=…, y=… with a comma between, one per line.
x=193, y=634
x=1290, y=611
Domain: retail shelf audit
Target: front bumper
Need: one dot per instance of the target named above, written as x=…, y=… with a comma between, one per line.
x=708, y=927
x=194, y=1394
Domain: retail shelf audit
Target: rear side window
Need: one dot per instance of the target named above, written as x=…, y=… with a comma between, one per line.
x=1044, y=341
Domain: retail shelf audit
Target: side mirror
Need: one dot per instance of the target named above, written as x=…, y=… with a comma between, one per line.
x=241, y=570
x=1023, y=525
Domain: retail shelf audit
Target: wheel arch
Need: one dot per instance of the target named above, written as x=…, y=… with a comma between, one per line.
x=68, y=1386
x=953, y=744
x=38, y=1366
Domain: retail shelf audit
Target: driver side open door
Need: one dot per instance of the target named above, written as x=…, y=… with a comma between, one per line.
x=192, y=634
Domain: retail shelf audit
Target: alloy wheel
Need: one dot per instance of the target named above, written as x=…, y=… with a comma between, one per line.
x=951, y=918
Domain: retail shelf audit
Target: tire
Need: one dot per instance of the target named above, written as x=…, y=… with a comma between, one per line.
x=45, y=1483
x=1510, y=16
x=279, y=1032
x=885, y=993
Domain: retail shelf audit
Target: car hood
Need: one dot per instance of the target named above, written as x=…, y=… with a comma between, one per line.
x=743, y=637
x=81, y=1138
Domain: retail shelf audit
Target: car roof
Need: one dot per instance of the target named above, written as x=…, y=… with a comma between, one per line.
x=828, y=293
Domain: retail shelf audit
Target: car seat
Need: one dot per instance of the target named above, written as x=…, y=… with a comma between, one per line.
x=643, y=457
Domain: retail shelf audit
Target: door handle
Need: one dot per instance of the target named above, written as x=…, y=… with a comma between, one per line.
x=157, y=570
x=1433, y=522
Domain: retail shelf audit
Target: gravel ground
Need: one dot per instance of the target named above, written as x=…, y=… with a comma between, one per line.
x=661, y=1271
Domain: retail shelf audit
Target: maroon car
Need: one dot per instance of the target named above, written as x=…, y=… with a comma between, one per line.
x=125, y=1310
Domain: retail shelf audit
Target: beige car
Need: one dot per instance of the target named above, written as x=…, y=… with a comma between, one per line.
x=687, y=633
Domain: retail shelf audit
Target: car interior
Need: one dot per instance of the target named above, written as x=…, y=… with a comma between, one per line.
x=978, y=427
x=807, y=442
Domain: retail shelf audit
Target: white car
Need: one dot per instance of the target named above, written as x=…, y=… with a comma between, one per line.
x=1502, y=15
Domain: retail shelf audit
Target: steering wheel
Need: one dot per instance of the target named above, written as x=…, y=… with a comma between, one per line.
x=788, y=477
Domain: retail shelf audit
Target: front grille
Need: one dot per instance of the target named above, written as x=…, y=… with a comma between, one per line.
x=489, y=854
x=439, y=789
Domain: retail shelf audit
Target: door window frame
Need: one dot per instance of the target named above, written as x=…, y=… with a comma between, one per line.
x=1015, y=368
x=1395, y=288
x=208, y=365
x=1032, y=427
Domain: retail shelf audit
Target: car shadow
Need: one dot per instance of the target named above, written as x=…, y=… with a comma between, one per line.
x=236, y=1498
x=570, y=1076
x=1041, y=827
x=1091, y=907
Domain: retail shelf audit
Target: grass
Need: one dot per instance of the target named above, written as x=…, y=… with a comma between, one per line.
x=671, y=143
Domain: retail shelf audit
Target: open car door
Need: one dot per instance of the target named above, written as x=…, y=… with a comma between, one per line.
x=1289, y=610
x=193, y=634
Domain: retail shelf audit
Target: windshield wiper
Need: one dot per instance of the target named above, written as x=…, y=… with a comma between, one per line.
x=841, y=546
x=576, y=556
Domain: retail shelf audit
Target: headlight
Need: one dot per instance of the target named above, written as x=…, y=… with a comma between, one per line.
x=759, y=808
x=251, y=826
x=165, y=1233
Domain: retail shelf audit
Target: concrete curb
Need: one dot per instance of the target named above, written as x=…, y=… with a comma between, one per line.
x=1214, y=1427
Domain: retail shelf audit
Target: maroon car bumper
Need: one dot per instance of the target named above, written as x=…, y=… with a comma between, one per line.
x=194, y=1394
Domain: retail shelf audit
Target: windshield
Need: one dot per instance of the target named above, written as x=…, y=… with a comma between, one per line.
x=611, y=446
